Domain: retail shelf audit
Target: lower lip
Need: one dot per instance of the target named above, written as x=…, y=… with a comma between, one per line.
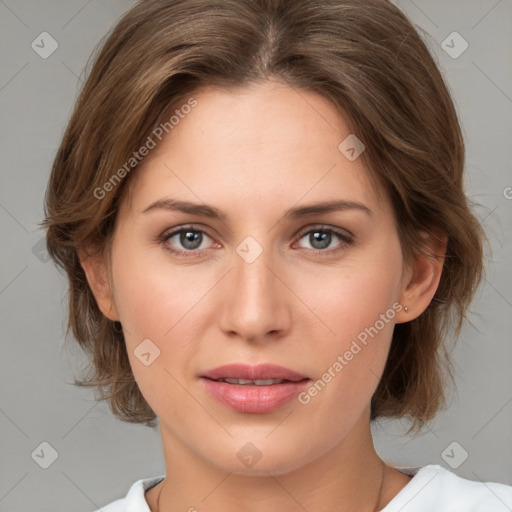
x=254, y=399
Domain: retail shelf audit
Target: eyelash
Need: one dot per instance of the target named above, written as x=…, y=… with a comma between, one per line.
x=345, y=239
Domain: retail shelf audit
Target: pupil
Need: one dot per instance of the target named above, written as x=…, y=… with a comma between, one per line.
x=322, y=237
x=190, y=239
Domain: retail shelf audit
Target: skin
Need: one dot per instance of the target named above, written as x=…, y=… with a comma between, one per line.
x=253, y=153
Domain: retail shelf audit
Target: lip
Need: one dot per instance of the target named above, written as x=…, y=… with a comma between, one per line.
x=256, y=372
x=254, y=399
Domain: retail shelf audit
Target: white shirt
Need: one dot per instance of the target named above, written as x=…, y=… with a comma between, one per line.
x=432, y=489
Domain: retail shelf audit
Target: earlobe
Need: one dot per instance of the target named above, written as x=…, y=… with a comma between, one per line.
x=95, y=270
x=423, y=278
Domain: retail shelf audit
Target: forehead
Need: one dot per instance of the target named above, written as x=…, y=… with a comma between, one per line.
x=267, y=139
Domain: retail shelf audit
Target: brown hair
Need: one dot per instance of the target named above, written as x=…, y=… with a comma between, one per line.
x=365, y=57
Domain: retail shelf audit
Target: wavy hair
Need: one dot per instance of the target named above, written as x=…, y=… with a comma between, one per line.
x=369, y=61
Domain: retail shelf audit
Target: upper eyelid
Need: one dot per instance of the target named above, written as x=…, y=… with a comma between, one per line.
x=179, y=229
x=323, y=227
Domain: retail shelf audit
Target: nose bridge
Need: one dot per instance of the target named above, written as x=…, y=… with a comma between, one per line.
x=256, y=304
x=254, y=279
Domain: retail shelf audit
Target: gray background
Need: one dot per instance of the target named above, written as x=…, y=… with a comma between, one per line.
x=99, y=457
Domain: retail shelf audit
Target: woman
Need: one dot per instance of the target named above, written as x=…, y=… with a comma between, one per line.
x=260, y=208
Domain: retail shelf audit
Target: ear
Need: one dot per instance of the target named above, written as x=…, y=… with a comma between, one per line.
x=95, y=268
x=422, y=277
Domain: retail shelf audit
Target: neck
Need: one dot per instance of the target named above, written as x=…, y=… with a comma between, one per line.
x=349, y=476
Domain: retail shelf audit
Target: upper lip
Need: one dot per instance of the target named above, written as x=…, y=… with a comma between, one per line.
x=256, y=372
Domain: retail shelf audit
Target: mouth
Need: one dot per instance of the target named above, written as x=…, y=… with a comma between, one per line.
x=255, y=382
x=256, y=389
x=259, y=374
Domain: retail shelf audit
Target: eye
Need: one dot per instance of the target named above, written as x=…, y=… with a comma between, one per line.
x=186, y=241
x=321, y=239
x=191, y=241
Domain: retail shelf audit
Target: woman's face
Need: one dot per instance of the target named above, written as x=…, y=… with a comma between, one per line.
x=264, y=276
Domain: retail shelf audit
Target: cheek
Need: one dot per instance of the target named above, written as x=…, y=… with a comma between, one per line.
x=152, y=295
x=153, y=304
x=357, y=310
x=353, y=299
x=349, y=364
x=157, y=305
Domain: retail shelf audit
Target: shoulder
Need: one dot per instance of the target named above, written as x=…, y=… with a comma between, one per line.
x=134, y=501
x=435, y=488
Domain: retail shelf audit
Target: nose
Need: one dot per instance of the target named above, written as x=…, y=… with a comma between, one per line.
x=255, y=307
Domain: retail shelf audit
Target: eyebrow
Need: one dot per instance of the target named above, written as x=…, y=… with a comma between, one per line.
x=295, y=212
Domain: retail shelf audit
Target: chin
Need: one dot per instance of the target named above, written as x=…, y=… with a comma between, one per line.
x=260, y=458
